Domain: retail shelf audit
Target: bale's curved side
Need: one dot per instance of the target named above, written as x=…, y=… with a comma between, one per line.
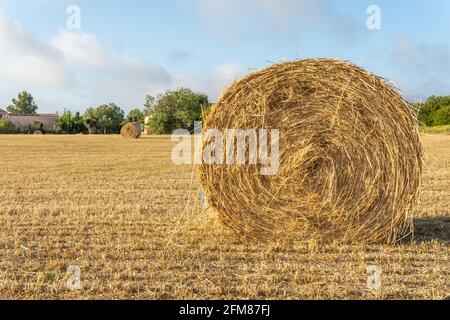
x=131, y=130
x=350, y=155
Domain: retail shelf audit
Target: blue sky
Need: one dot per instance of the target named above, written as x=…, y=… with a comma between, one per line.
x=127, y=49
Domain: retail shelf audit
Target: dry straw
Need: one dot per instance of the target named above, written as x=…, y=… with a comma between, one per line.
x=131, y=130
x=350, y=155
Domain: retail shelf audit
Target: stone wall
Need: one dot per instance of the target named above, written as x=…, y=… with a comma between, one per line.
x=23, y=121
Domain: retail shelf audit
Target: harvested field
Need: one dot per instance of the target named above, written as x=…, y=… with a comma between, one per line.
x=131, y=221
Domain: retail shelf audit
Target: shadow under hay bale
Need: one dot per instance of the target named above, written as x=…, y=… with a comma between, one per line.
x=435, y=228
x=350, y=155
x=131, y=130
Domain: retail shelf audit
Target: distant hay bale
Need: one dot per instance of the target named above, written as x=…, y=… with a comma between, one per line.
x=38, y=132
x=131, y=130
x=350, y=155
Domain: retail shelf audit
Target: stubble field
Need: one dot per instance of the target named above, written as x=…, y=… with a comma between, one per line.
x=131, y=221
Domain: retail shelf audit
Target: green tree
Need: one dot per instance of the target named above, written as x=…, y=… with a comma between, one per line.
x=7, y=127
x=442, y=116
x=428, y=111
x=107, y=118
x=65, y=121
x=36, y=126
x=149, y=105
x=78, y=123
x=70, y=124
x=90, y=120
x=135, y=115
x=177, y=110
x=110, y=118
x=24, y=104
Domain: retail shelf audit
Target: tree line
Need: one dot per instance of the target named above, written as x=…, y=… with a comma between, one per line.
x=171, y=110
x=435, y=111
x=167, y=112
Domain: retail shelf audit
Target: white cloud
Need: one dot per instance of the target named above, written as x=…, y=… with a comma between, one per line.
x=222, y=76
x=423, y=68
x=85, y=54
x=230, y=19
x=215, y=82
x=81, y=48
x=74, y=70
x=124, y=80
x=83, y=51
x=28, y=60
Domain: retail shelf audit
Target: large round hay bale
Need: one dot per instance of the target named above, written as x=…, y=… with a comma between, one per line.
x=131, y=130
x=350, y=156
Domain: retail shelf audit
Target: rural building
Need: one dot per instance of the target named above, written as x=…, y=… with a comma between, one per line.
x=23, y=121
x=146, y=122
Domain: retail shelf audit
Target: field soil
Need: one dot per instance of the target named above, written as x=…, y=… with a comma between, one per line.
x=132, y=224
